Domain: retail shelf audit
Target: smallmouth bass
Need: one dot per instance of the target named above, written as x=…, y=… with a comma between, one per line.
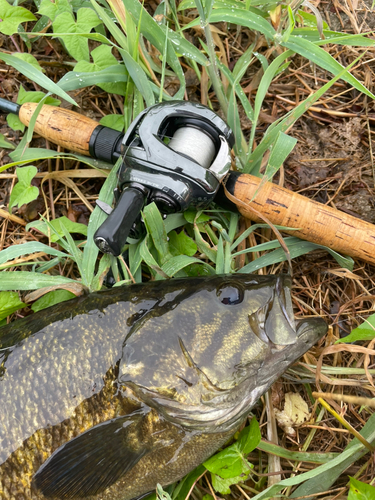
x=104, y=396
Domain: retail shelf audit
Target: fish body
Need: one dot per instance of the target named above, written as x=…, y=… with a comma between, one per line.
x=106, y=395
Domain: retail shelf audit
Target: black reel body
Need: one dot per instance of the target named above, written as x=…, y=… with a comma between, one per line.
x=174, y=154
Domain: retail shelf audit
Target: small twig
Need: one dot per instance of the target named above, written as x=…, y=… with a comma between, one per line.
x=356, y=400
x=347, y=425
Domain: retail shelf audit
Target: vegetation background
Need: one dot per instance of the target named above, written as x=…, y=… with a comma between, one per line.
x=275, y=72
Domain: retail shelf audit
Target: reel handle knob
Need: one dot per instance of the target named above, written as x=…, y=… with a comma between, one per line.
x=111, y=236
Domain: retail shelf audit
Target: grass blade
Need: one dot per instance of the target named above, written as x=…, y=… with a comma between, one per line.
x=296, y=248
x=335, y=37
x=36, y=76
x=139, y=77
x=176, y=264
x=23, y=280
x=250, y=19
x=91, y=251
x=155, y=34
x=15, y=251
x=319, y=56
x=284, y=145
x=77, y=80
x=265, y=82
x=289, y=119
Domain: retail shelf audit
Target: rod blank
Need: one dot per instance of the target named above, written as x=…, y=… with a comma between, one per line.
x=9, y=107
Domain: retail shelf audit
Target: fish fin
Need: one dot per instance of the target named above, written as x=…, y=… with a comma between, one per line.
x=93, y=461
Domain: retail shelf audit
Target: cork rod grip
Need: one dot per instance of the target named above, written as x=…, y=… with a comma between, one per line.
x=316, y=222
x=61, y=126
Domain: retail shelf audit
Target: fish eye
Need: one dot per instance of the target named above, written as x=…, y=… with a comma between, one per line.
x=230, y=295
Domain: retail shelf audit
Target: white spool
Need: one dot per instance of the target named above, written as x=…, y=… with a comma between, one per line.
x=195, y=144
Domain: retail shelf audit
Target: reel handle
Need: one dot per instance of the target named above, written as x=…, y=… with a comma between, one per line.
x=112, y=234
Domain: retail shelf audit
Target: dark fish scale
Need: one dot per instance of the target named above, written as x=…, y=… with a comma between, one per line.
x=105, y=396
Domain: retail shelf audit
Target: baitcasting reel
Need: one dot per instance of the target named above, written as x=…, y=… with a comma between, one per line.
x=174, y=154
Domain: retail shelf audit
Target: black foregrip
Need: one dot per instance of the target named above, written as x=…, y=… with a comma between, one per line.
x=112, y=234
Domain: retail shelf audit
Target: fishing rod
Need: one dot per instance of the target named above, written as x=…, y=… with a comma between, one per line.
x=177, y=154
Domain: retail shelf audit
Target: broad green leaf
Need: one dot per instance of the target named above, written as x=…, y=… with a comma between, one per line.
x=77, y=254
x=54, y=9
x=14, y=122
x=12, y=16
x=319, y=56
x=190, y=216
x=34, y=75
x=249, y=437
x=70, y=226
x=365, y=331
x=103, y=58
x=181, y=244
x=231, y=462
x=64, y=23
x=28, y=58
x=233, y=119
x=23, y=192
x=22, y=280
x=33, y=154
x=360, y=491
x=34, y=117
x=76, y=80
x=228, y=4
x=9, y=303
x=52, y=298
x=4, y=143
x=223, y=485
x=113, y=121
x=228, y=463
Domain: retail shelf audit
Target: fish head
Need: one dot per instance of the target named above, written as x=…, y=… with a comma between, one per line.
x=204, y=354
